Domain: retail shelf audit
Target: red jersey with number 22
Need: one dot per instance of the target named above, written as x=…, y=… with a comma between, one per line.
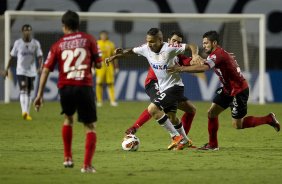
x=182, y=60
x=228, y=71
x=75, y=54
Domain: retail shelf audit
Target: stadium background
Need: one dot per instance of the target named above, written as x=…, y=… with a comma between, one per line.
x=129, y=85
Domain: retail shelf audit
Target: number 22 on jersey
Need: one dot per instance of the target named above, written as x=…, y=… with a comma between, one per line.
x=74, y=70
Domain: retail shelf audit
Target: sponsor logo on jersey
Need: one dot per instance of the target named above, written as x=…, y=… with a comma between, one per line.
x=159, y=67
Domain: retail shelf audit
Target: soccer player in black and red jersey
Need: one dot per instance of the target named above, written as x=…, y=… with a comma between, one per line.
x=234, y=92
x=152, y=90
x=75, y=53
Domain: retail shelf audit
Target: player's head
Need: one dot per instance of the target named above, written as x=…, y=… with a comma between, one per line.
x=26, y=30
x=104, y=35
x=70, y=21
x=154, y=39
x=175, y=37
x=210, y=41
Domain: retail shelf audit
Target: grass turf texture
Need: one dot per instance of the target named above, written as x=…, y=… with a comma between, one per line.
x=31, y=151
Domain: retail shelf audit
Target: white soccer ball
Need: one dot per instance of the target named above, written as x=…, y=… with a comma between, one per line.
x=130, y=143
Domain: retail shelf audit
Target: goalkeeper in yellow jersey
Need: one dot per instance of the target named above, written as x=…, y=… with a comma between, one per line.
x=106, y=75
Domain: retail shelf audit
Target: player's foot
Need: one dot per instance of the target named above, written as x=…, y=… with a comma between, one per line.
x=175, y=141
x=68, y=163
x=208, y=147
x=182, y=145
x=99, y=104
x=131, y=130
x=26, y=116
x=88, y=169
x=275, y=123
x=114, y=104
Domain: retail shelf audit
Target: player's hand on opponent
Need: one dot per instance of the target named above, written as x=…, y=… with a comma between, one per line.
x=197, y=60
x=174, y=69
x=37, y=103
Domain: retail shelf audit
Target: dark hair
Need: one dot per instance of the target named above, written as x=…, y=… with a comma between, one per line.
x=104, y=31
x=153, y=31
x=26, y=26
x=212, y=36
x=177, y=33
x=71, y=20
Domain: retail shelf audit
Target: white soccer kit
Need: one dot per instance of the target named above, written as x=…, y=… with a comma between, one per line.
x=160, y=61
x=26, y=53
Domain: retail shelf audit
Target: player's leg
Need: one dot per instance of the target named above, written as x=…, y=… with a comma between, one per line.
x=220, y=103
x=30, y=87
x=152, y=90
x=239, y=110
x=67, y=141
x=185, y=142
x=110, y=80
x=68, y=105
x=87, y=114
x=22, y=80
x=188, y=116
x=100, y=80
x=144, y=117
x=164, y=121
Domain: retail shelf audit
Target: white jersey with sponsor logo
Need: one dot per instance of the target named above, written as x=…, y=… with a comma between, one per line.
x=26, y=53
x=160, y=61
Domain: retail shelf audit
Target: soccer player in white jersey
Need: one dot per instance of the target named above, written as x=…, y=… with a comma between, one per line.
x=161, y=55
x=26, y=51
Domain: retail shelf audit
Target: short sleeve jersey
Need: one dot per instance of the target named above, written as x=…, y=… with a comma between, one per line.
x=182, y=60
x=26, y=53
x=159, y=62
x=74, y=53
x=228, y=71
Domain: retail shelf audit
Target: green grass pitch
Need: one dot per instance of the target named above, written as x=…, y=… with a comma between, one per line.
x=31, y=152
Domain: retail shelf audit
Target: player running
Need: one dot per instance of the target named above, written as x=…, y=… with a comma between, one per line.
x=234, y=92
x=160, y=55
x=152, y=90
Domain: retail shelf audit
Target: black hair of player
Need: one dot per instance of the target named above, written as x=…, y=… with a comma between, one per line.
x=26, y=26
x=104, y=31
x=212, y=36
x=71, y=20
x=153, y=31
x=177, y=33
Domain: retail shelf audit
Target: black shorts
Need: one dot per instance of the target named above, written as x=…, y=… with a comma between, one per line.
x=80, y=99
x=169, y=98
x=152, y=89
x=25, y=82
x=237, y=103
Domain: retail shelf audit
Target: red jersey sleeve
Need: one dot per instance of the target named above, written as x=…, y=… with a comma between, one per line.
x=184, y=60
x=96, y=53
x=51, y=60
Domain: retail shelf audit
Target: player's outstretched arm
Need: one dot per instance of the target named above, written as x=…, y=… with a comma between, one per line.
x=39, y=97
x=190, y=69
x=118, y=53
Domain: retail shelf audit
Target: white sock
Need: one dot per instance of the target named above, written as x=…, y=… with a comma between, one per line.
x=28, y=103
x=165, y=122
x=181, y=131
x=23, y=98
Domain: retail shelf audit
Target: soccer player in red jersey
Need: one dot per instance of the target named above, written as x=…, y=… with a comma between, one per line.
x=75, y=53
x=152, y=90
x=234, y=92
